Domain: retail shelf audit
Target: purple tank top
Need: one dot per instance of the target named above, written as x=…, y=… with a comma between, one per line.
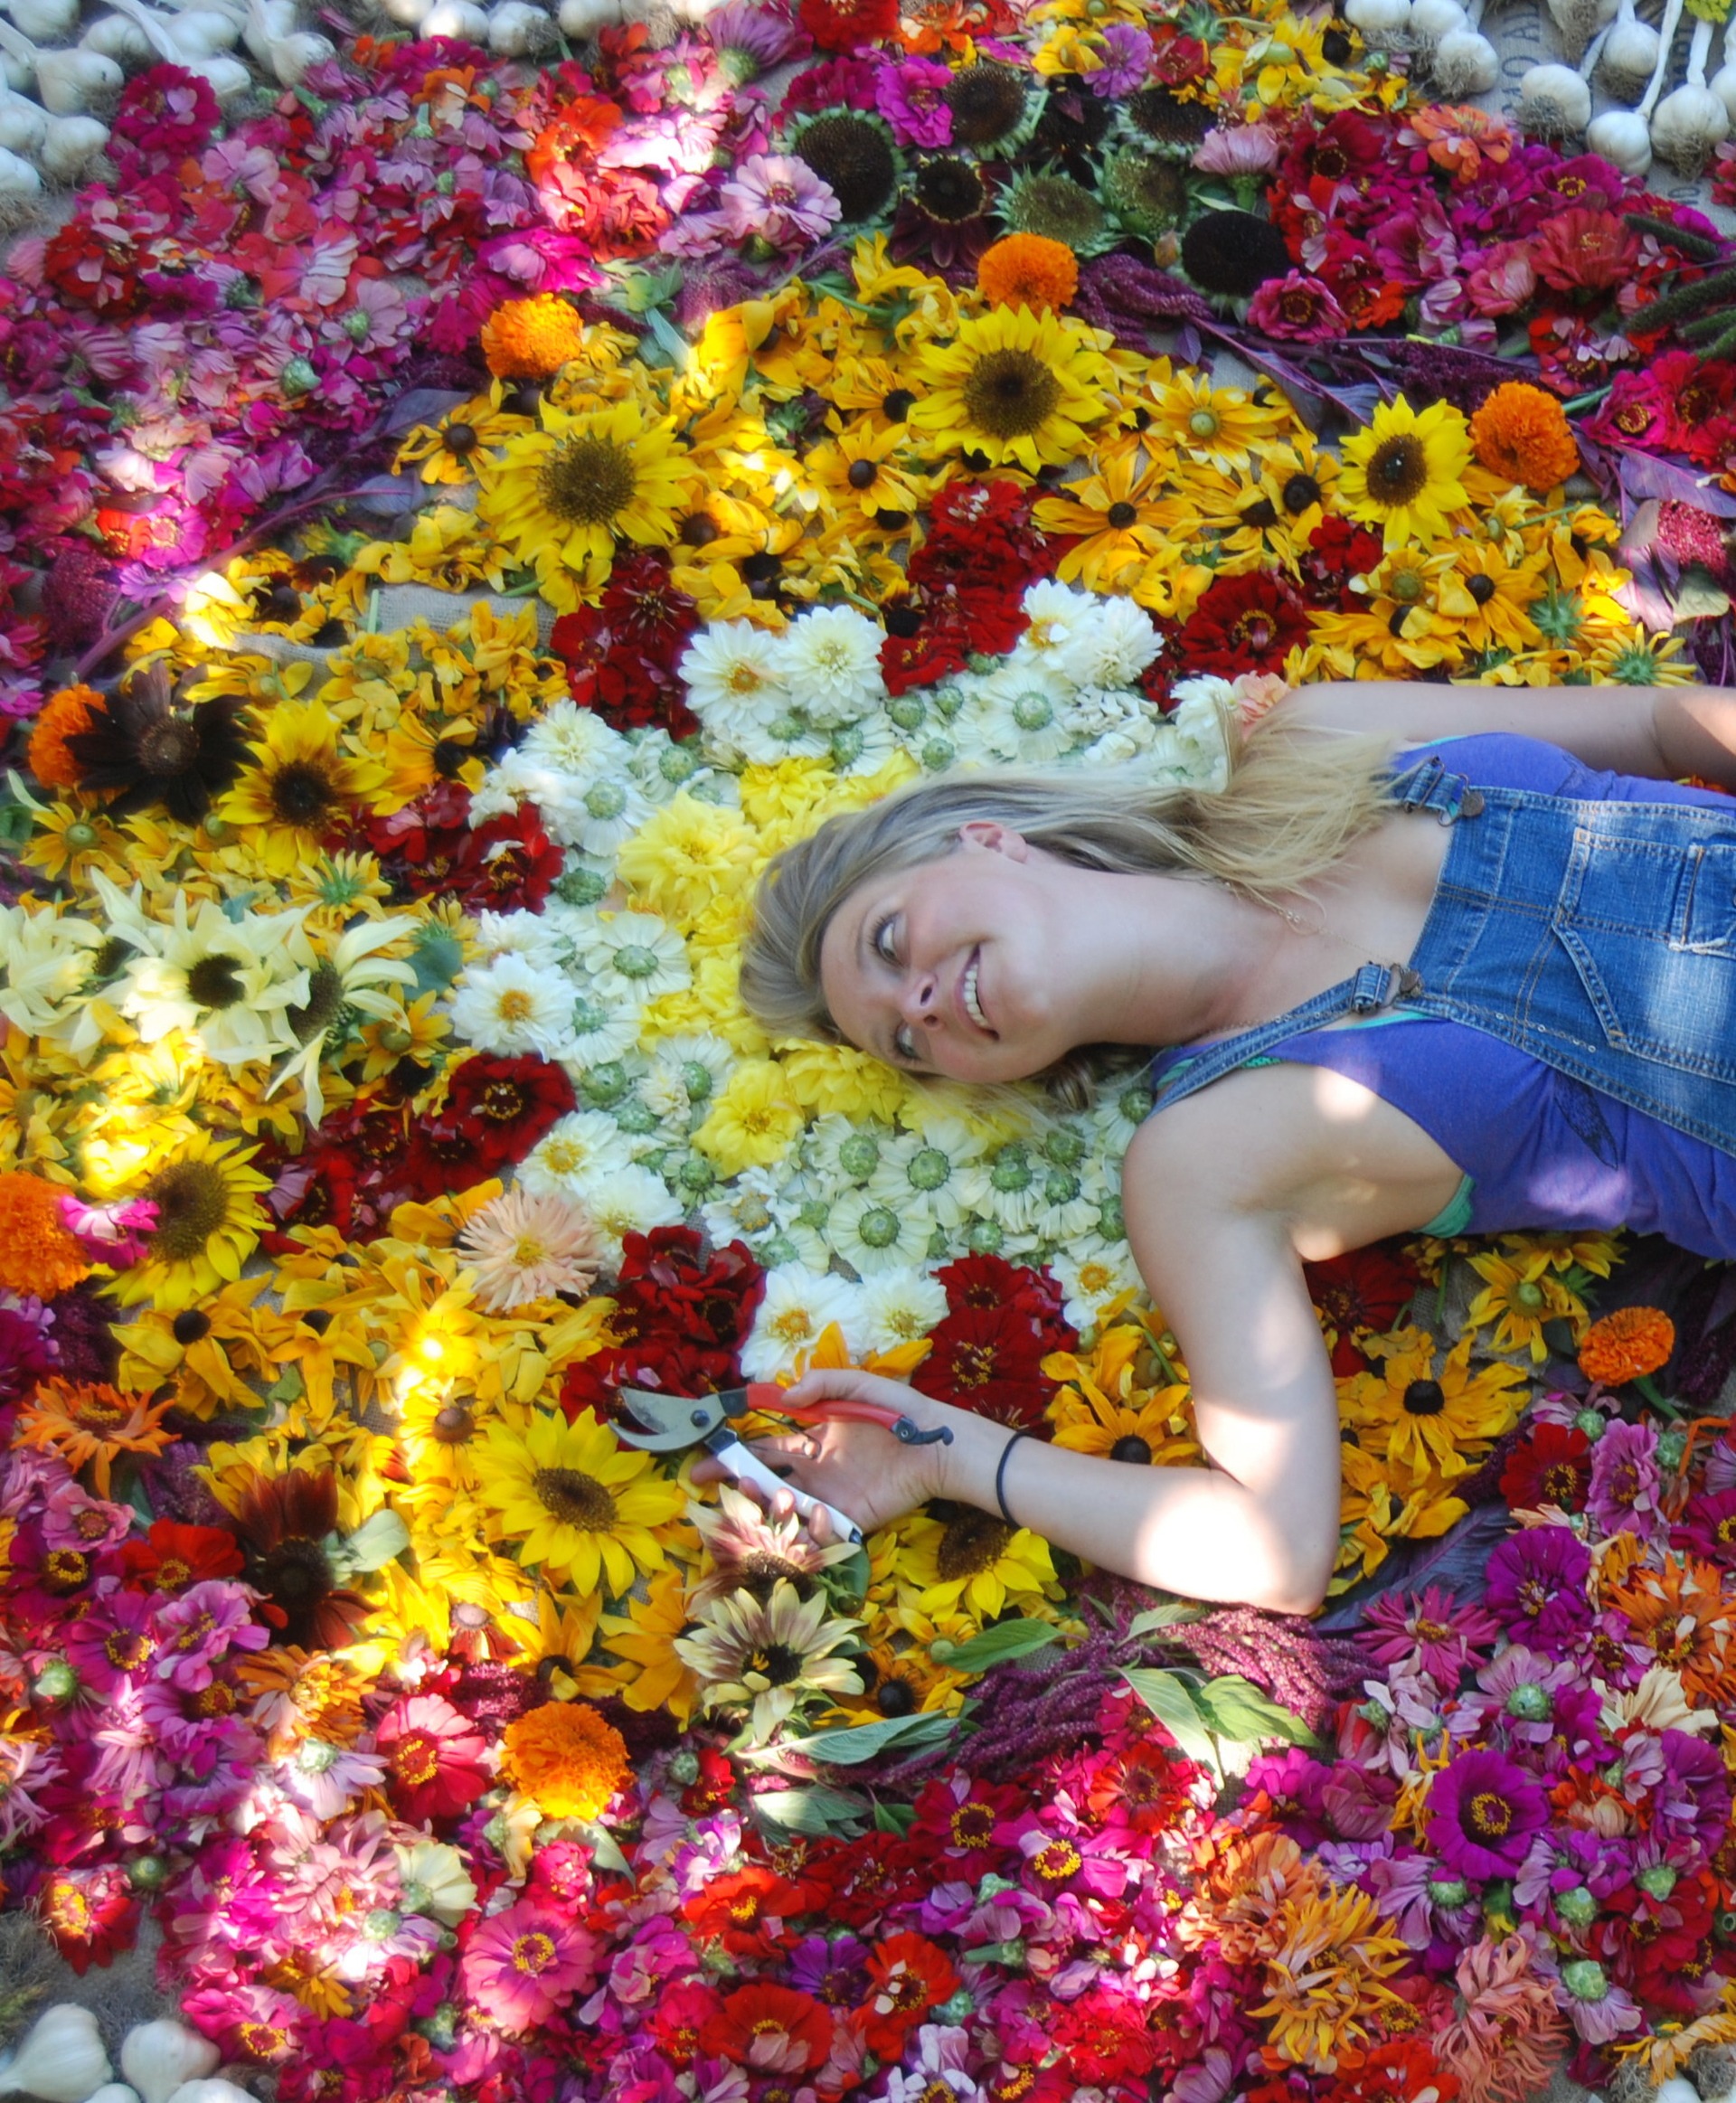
x=1535, y=1147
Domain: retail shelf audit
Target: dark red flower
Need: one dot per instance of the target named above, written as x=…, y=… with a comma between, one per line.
x=1338, y=551
x=1551, y=1466
x=1584, y=249
x=846, y=25
x=988, y=1361
x=621, y=653
x=1175, y=57
x=496, y=1109
x=1249, y=623
x=1105, y=2036
x=173, y=1556
x=508, y=865
x=1337, y=162
x=436, y=1758
x=1365, y=1290
x=284, y=1521
x=166, y=113
x=91, y=1914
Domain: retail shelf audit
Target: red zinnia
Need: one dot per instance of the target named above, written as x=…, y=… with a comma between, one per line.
x=1552, y=1466
x=1584, y=250
x=435, y=1758
x=1250, y=623
x=173, y=1556
x=911, y=1975
x=846, y=25
x=746, y=1910
x=91, y=1914
x=1365, y=1290
x=988, y=1362
x=774, y=2030
x=496, y=1109
x=1106, y=2037
x=679, y=2019
x=508, y=865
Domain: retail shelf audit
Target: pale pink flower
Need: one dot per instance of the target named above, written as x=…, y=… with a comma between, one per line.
x=525, y=1247
x=1244, y=150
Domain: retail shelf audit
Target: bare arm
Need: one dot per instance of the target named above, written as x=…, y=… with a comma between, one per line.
x=1657, y=731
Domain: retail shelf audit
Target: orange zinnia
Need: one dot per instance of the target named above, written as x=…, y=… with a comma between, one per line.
x=1028, y=269
x=1626, y=1346
x=64, y=715
x=1680, y=1611
x=567, y=1757
x=1522, y=433
x=532, y=339
x=92, y=1423
x=38, y=1257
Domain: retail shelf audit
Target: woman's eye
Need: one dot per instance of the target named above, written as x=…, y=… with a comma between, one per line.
x=883, y=947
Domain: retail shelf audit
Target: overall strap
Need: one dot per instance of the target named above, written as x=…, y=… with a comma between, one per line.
x=1430, y=785
x=1374, y=986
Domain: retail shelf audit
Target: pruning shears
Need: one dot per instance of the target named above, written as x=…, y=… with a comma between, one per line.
x=671, y=1423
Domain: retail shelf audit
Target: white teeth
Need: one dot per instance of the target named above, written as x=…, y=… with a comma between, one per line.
x=971, y=1008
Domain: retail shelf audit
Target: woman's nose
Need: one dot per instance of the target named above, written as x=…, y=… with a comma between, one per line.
x=920, y=999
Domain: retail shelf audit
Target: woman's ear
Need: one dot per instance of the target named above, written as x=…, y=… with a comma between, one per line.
x=996, y=838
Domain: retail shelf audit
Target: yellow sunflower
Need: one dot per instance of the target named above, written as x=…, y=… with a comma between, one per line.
x=1015, y=386
x=574, y=1499
x=973, y=1560
x=1405, y=472
x=558, y=496
x=652, y=1675
x=303, y=781
x=208, y=1223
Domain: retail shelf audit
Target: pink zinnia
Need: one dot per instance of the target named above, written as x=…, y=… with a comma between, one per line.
x=779, y=198
x=911, y=98
x=1297, y=309
x=525, y=1961
x=1240, y=149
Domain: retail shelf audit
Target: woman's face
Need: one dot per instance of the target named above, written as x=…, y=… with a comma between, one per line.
x=956, y=968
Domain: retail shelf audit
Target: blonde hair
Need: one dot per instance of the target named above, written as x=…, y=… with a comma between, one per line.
x=1295, y=797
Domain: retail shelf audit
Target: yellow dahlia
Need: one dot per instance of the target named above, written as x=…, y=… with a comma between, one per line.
x=575, y=1500
x=1014, y=385
x=1405, y=472
x=558, y=496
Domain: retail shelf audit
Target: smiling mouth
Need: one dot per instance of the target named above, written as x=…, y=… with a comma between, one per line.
x=973, y=1004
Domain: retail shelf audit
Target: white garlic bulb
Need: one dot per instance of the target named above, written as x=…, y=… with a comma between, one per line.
x=583, y=18
x=118, y=39
x=1622, y=138
x=516, y=29
x=459, y=18
x=292, y=55
x=44, y=21
x=1466, y=64
x=1687, y=125
x=23, y=122
x=114, y=2092
x=158, y=2058
x=60, y=2059
x=1430, y=20
x=1378, y=20
x=210, y=2091
x=1580, y=20
x=409, y=13
x=19, y=178
x=1629, y=55
x=1554, y=100
x=71, y=83
x=70, y=146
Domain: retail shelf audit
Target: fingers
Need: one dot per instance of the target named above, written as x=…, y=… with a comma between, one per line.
x=844, y=1383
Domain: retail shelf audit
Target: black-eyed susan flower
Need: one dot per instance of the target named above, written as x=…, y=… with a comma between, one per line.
x=444, y=454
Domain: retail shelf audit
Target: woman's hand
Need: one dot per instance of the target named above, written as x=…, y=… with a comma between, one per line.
x=865, y=1471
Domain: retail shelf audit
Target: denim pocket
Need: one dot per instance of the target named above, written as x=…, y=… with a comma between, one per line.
x=1709, y=905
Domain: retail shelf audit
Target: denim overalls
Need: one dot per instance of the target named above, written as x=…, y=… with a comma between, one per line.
x=1598, y=937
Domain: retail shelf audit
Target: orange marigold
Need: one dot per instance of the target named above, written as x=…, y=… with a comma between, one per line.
x=1522, y=433
x=64, y=715
x=532, y=339
x=1625, y=1345
x=567, y=1756
x=37, y=1255
x=1028, y=269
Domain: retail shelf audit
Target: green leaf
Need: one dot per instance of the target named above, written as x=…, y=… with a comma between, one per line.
x=1698, y=596
x=1165, y=1617
x=995, y=1646
x=897, y=1818
x=1236, y=1708
x=604, y=1851
x=1171, y=1700
x=866, y=1740
x=814, y=1811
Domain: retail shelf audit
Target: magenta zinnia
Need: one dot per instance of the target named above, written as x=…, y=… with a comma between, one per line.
x=522, y=1964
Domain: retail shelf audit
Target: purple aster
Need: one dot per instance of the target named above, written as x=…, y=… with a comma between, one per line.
x=199, y=1626
x=1515, y=1692
x=1482, y=1813
x=1537, y=1584
x=1425, y=1902
x=1624, y=1483
x=779, y=198
x=911, y=98
x=1428, y=1632
x=1127, y=59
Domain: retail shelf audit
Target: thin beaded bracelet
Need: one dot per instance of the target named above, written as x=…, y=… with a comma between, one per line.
x=1000, y=1478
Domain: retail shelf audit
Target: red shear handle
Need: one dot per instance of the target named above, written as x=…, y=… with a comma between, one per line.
x=843, y=1406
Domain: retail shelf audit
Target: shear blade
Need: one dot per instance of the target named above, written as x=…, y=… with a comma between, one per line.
x=667, y=1423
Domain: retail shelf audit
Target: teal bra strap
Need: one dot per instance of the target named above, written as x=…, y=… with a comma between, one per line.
x=1455, y=1216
